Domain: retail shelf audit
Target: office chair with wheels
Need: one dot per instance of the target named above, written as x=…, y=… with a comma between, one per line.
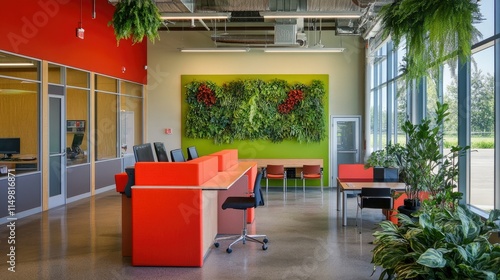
x=161, y=153
x=244, y=203
x=275, y=172
x=375, y=198
x=311, y=172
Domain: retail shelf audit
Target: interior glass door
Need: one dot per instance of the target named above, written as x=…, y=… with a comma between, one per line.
x=346, y=143
x=57, y=152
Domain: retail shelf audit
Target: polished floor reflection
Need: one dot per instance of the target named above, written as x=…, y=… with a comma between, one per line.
x=306, y=241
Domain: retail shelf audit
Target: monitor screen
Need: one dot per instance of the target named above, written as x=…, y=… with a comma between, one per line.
x=161, y=153
x=143, y=152
x=10, y=146
x=192, y=153
x=77, y=140
x=177, y=155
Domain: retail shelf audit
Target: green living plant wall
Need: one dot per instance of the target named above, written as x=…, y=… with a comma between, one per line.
x=271, y=134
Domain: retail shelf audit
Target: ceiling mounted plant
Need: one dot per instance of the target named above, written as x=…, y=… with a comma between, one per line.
x=434, y=31
x=135, y=19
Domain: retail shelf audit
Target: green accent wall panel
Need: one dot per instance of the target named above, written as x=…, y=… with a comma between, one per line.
x=262, y=148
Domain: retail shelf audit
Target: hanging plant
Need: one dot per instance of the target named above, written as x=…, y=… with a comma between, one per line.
x=135, y=19
x=433, y=30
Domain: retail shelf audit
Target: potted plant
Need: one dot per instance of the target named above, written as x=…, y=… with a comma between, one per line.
x=135, y=19
x=385, y=163
x=444, y=244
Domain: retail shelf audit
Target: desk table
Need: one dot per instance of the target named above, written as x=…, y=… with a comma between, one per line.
x=286, y=162
x=176, y=225
x=354, y=187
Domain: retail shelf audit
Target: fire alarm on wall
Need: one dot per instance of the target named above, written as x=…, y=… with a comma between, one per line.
x=80, y=32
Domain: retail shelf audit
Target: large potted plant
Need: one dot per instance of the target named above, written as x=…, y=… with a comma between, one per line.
x=385, y=163
x=424, y=167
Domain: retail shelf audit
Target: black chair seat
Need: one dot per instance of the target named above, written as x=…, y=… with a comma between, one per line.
x=238, y=202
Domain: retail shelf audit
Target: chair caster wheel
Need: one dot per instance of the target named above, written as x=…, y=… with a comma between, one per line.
x=216, y=244
x=264, y=247
x=265, y=240
x=229, y=250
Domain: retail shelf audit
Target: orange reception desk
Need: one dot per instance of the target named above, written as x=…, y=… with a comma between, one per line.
x=176, y=207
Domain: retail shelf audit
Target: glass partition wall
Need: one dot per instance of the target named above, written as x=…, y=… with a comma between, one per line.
x=85, y=131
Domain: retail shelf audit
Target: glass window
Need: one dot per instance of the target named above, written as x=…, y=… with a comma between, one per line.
x=106, y=121
x=18, y=67
x=128, y=88
x=130, y=123
x=77, y=129
x=482, y=130
x=19, y=116
x=56, y=74
x=77, y=78
x=106, y=84
x=401, y=110
x=487, y=25
x=450, y=97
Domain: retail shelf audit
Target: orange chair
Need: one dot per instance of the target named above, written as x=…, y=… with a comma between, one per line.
x=311, y=172
x=275, y=172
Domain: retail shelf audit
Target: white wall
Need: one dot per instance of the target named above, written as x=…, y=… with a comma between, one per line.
x=166, y=65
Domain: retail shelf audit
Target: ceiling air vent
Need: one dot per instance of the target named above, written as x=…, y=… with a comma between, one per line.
x=285, y=34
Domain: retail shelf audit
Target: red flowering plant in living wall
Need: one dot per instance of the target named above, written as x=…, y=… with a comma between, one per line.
x=206, y=95
x=294, y=97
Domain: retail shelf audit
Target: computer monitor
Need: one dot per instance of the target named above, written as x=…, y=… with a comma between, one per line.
x=143, y=152
x=10, y=146
x=177, y=155
x=161, y=153
x=192, y=153
x=77, y=142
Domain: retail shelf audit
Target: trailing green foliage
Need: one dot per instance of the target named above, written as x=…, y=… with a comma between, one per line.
x=136, y=19
x=433, y=30
x=443, y=244
x=250, y=110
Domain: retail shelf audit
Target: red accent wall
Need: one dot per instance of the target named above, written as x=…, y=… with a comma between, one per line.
x=46, y=29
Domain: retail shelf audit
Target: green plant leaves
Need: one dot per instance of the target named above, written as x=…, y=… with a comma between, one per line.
x=250, y=110
x=135, y=19
x=433, y=30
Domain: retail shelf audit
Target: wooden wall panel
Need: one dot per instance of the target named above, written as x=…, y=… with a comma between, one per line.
x=106, y=130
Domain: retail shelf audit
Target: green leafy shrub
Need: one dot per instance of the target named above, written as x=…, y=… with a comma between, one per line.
x=443, y=244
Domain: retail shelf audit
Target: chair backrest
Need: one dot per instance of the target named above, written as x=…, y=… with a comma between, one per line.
x=192, y=153
x=161, y=153
x=143, y=153
x=378, y=198
x=311, y=169
x=177, y=155
x=257, y=191
x=275, y=169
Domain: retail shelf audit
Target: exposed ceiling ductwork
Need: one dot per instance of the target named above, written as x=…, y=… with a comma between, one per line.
x=247, y=26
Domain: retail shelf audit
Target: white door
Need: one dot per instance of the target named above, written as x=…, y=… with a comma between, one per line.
x=345, y=143
x=57, y=151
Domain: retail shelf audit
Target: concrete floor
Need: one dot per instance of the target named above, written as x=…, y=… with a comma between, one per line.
x=82, y=240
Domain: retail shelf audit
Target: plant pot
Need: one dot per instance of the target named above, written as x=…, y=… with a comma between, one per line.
x=385, y=174
x=411, y=204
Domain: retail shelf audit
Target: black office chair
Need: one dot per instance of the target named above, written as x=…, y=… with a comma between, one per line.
x=192, y=153
x=375, y=198
x=244, y=203
x=177, y=155
x=161, y=153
